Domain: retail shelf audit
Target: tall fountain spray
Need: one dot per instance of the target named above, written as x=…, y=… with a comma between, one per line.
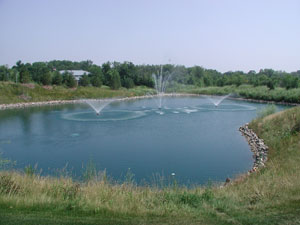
x=160, y=84
x=216, y=100
x=98, y=105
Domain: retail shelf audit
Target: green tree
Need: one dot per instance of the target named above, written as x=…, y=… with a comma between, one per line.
x=85, y=65
x=197, y=74
x=69, y=80
x=115, y=81
x=290, y=81
x=38, y=70
x=106, y=68
x=96, y=75
x=4, y=73
x=84, y=81
x=14, y=74
x=96, y=81
x=46, y=79
x=96, y=71
x=57, y=78
x=270, y=84
x=128, y=82
x=24, y=76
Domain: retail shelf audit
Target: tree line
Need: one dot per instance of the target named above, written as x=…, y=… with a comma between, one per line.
x=128, y=75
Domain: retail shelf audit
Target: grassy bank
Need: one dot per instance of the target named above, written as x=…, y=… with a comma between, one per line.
x=249, y=92
x=270, y=196
x=15, y=93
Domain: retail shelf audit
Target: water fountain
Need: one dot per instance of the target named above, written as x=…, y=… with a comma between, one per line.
x=98, y=105
x=216, y=100
x=147, y=95
x=160, y=84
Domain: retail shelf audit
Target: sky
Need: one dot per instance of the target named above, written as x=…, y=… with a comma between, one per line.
x=226, y=35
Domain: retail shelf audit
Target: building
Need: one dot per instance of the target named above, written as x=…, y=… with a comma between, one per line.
x=76, y=73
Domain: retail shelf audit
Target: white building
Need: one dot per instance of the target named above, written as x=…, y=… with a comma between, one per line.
x=76, y=73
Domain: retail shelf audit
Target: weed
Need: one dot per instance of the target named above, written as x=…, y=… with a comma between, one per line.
x=7, y=185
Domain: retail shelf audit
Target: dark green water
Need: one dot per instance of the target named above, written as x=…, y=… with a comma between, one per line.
x=189, y=137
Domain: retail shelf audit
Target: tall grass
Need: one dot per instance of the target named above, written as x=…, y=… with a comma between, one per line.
x=15, y=93
x=268, y=110
x=249, y=92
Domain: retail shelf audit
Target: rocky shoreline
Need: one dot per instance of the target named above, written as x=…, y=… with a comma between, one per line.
x=257, y=146
x=58, y=102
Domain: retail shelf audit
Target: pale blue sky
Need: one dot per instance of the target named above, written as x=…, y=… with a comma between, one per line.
x=217, y=34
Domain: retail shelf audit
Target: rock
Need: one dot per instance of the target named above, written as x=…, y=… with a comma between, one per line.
x=227, y=181
x=257, y=146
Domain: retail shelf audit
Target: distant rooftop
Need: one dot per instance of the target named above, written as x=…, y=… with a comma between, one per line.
x=76, y=73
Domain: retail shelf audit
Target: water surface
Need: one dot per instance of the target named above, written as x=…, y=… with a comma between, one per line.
x=189, y=136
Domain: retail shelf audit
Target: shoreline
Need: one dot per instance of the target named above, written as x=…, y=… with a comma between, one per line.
x=257, y=146
x=59, y=102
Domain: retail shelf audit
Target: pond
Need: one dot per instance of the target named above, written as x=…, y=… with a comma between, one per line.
x=188, y=137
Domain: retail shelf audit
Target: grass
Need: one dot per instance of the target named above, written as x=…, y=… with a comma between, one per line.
x=15, y=93
x=268, y=110
x=249, y=92
x=270, y=196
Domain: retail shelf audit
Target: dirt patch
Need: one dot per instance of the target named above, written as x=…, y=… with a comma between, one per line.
x=25, y=97
x=30, y=85
x=48, y=87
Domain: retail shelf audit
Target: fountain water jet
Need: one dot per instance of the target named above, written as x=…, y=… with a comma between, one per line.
x=160, y=82
x=98, y=105
x=216, y=100
x=148, y=95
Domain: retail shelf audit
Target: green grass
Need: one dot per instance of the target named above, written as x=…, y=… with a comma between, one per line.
x=248, y=91
x=15, y=93
x=270, y=196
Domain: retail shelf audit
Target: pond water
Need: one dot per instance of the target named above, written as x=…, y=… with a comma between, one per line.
x=189, y=137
